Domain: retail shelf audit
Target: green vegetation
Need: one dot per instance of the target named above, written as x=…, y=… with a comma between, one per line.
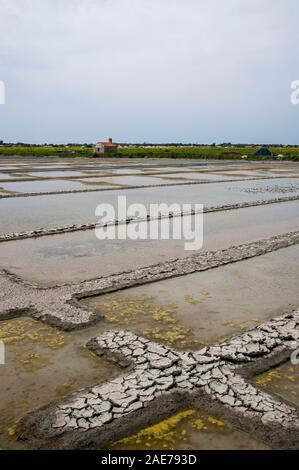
x=202, y=152
x=171, y=151
x=45, y=151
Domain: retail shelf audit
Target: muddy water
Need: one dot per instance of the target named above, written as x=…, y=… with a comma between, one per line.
x=193, y=430
x=282, y=381
x=42, y=364
x=189, y=430
x=21, y=214
x=202, y=308
x=80, y=256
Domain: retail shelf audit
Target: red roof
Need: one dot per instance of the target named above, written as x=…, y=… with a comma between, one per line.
x=108, y=144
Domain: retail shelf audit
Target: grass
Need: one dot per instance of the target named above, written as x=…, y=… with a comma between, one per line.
x=205, y=152
x=196, y=152
x=45, y=151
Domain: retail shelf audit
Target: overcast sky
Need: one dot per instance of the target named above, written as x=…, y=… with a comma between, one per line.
x=149, y=70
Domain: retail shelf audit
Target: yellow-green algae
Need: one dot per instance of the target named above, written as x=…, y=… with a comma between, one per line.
x=131, y=307
x=190, y=300
x=63, y=389
x=31, y=361
x=266, y=378
x=235, y=325
x=171, y=432
x=11, y=430
x=156, y=322
x=19, y=331
x=30, y=333
x=283, y=380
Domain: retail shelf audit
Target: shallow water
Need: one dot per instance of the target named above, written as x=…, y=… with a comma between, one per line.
x=189, y=430
x=203, y=308
x=9, y=176
x=9, y=168
x=282, y=381
x=42, y=186
x=273, y=186
x=45, y=168
x=53, y=174
x=43, y=364
x=165, y=169
x=291, y=172
x=80, y=255
x=128, y=180
x=124, y=171
x=187, y=312
x=21, y=214
x=201, y=176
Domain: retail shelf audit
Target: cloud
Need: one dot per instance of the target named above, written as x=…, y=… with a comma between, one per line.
x=191, y=70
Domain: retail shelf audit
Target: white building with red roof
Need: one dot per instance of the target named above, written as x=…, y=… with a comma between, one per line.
x=105, y=147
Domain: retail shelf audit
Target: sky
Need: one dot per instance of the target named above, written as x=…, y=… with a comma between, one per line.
x=198, y=71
